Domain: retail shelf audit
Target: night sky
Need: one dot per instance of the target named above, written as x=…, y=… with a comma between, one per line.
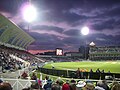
x=59, y=22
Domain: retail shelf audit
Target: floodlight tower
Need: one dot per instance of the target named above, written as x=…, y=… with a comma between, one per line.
x=85, y=31
x=29, y=13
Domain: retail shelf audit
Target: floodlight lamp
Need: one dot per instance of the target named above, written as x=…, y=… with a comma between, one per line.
x=29, y=13
x=85, y=30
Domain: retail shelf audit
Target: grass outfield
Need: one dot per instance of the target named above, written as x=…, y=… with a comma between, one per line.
x=112, y=66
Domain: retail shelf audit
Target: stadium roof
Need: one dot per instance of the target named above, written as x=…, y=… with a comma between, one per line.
x=13, y=36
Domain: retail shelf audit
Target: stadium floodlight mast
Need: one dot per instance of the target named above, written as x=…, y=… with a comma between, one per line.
x=85, y=31
x=29, y=14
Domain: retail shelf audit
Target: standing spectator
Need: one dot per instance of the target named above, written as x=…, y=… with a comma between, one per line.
x=90, y=74
x=98, y=70
x=78, y=73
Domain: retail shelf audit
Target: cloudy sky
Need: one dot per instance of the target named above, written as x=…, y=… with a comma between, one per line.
x=59, y=22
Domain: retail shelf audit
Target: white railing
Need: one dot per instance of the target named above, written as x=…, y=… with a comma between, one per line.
x=18, y=84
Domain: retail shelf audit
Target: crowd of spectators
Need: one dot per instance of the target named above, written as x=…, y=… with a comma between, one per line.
x=14, y=59
x=60, y=84
x=9, y=63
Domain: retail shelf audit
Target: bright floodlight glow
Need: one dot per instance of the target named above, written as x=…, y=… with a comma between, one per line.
x=29, y=13
x=85, y=30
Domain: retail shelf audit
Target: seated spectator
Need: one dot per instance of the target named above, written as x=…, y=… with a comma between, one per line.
x=24, y=75
x=59, y=81
x=111, y=85
x=72, y=85
x=46, y=77
x=116, y=87
x=34, y=77
x=1, y=81
x=56, y=86
x=48, y=85
x=35, y=85
x=102, y=84
x=66, y=86
x=5, y=86
x=40, y=83
x=89, y=86
x=80, y=85
x=26, y=89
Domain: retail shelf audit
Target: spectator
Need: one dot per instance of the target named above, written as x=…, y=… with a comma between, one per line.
x=111, y=85
x=48, y=85
x=24, y=75
x=102, y=71
x=103, y=84
x=60, y=82
x=46, y=77
x=40, y=83
x=78, y=73
x=116, y=87
x=26, y=89
x=56, y=86
x=91, y=73
x=98, y=70
x=5, y=86
x=89, y=86
x=1, y=81
x=80, y=85
x=99, y=88
x=34, y=77
x=73, y=85
x=66, y=86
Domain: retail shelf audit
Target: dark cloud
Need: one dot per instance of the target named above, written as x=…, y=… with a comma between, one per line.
x=102, y=39
x=72, y=40
x=10, y=6
x=44, y=27
x=99, y=15
x=72, y=32
x=46, y=41
x=109, y=24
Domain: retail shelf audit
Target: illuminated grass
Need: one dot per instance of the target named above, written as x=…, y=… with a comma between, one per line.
x=112, y=66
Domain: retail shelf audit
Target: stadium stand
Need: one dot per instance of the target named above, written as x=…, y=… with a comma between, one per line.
x=13, y=44
x=104, y=53
x=12, y=36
